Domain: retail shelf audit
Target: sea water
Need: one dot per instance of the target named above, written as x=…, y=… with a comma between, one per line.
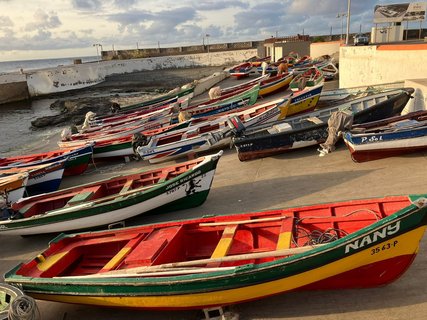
x=17, y=137
x=16, y=66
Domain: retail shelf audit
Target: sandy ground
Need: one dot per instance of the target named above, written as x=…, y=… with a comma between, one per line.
x=297, y=178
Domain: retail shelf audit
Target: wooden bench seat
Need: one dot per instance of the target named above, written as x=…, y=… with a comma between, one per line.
x=149, y=250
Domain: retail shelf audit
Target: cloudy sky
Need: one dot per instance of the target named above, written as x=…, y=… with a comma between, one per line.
x=69, y=28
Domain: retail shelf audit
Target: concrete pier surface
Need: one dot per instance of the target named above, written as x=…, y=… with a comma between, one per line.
x=296, y=178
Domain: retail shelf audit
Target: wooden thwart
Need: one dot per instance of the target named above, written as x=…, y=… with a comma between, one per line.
x=224, y=243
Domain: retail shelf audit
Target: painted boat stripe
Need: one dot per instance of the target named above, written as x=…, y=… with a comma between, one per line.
x=407, y=245
x=393, y=47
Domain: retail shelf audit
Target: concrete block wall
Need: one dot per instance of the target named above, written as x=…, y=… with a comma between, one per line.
x=13, y=87
x=331, y=48
x=61, y=79
x=368, y=65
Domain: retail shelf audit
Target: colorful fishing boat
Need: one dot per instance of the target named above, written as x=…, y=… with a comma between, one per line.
x=180, y=186
x=241, y=70
x=77, y=159
x=256, y=61
x=80, y=139
x=309, y=78
x=170, y=97
x=244, y=85
x=162, y=115
x=244, y=97
x=41, y=178
x=399, y=135
x=124, y=146
x=225, y=260
x=213, y=133
x=274, y=84
x=12, y=187
x=179, y=144
x=312, y=128
x=329, y=70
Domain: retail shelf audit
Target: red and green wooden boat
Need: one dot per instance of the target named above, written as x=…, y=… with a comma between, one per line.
x=240, y=98
x=241, y=70
x=224, y=260
x=170, y=97
x=246, y=84
x=127, y=120
x=268, y=84
x=180, y=186
x=77, y=159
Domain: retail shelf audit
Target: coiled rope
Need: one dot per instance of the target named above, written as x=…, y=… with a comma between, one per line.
x=24, y=308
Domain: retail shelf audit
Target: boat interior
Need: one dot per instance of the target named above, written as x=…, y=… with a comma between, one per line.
x=215, y=242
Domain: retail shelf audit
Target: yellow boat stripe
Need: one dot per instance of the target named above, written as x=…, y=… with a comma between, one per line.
x=407, y=245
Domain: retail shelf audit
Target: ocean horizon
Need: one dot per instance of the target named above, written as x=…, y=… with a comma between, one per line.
x=16, y=66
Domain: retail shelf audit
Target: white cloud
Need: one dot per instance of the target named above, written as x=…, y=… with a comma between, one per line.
x=65, y=24
x=89, y=5
x=43, y=20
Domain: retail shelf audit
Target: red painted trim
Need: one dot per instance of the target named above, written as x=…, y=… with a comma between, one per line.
x=399, y=47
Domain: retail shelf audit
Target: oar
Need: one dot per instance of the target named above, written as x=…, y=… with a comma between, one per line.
x=225, y=223
x=163, y=267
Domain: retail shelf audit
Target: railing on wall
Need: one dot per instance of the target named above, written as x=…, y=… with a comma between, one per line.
x=159, y=52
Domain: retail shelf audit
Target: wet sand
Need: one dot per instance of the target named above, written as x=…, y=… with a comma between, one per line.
x=297, y=178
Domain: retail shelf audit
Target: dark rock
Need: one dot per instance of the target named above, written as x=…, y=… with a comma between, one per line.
x=73, y=111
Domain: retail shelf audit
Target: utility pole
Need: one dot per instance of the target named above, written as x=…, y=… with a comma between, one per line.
x=341, y=15
x=348, y=21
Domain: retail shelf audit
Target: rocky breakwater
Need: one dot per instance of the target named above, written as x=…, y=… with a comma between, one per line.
x=124, y=89
x=73, y=111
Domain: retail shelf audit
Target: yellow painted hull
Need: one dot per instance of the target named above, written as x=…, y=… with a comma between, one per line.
x=274, y=88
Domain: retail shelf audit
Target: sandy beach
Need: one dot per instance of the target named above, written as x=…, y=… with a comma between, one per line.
x=296, y=178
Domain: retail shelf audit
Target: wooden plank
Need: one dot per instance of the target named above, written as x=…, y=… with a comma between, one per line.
x=285, y=235
x=126, y=186
x=224, y=243
x=118, y=258
x=80, y=197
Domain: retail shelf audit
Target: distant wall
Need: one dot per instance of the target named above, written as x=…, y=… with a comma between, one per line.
x=330, y=48
x=13, y=87
x=172, y=51
x=59, y=79
x=377, y=64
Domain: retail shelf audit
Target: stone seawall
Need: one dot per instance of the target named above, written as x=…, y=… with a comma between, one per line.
x=64, y=78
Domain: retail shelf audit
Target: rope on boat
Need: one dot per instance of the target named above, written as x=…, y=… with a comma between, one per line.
x=331, y=234
x=24, y=308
